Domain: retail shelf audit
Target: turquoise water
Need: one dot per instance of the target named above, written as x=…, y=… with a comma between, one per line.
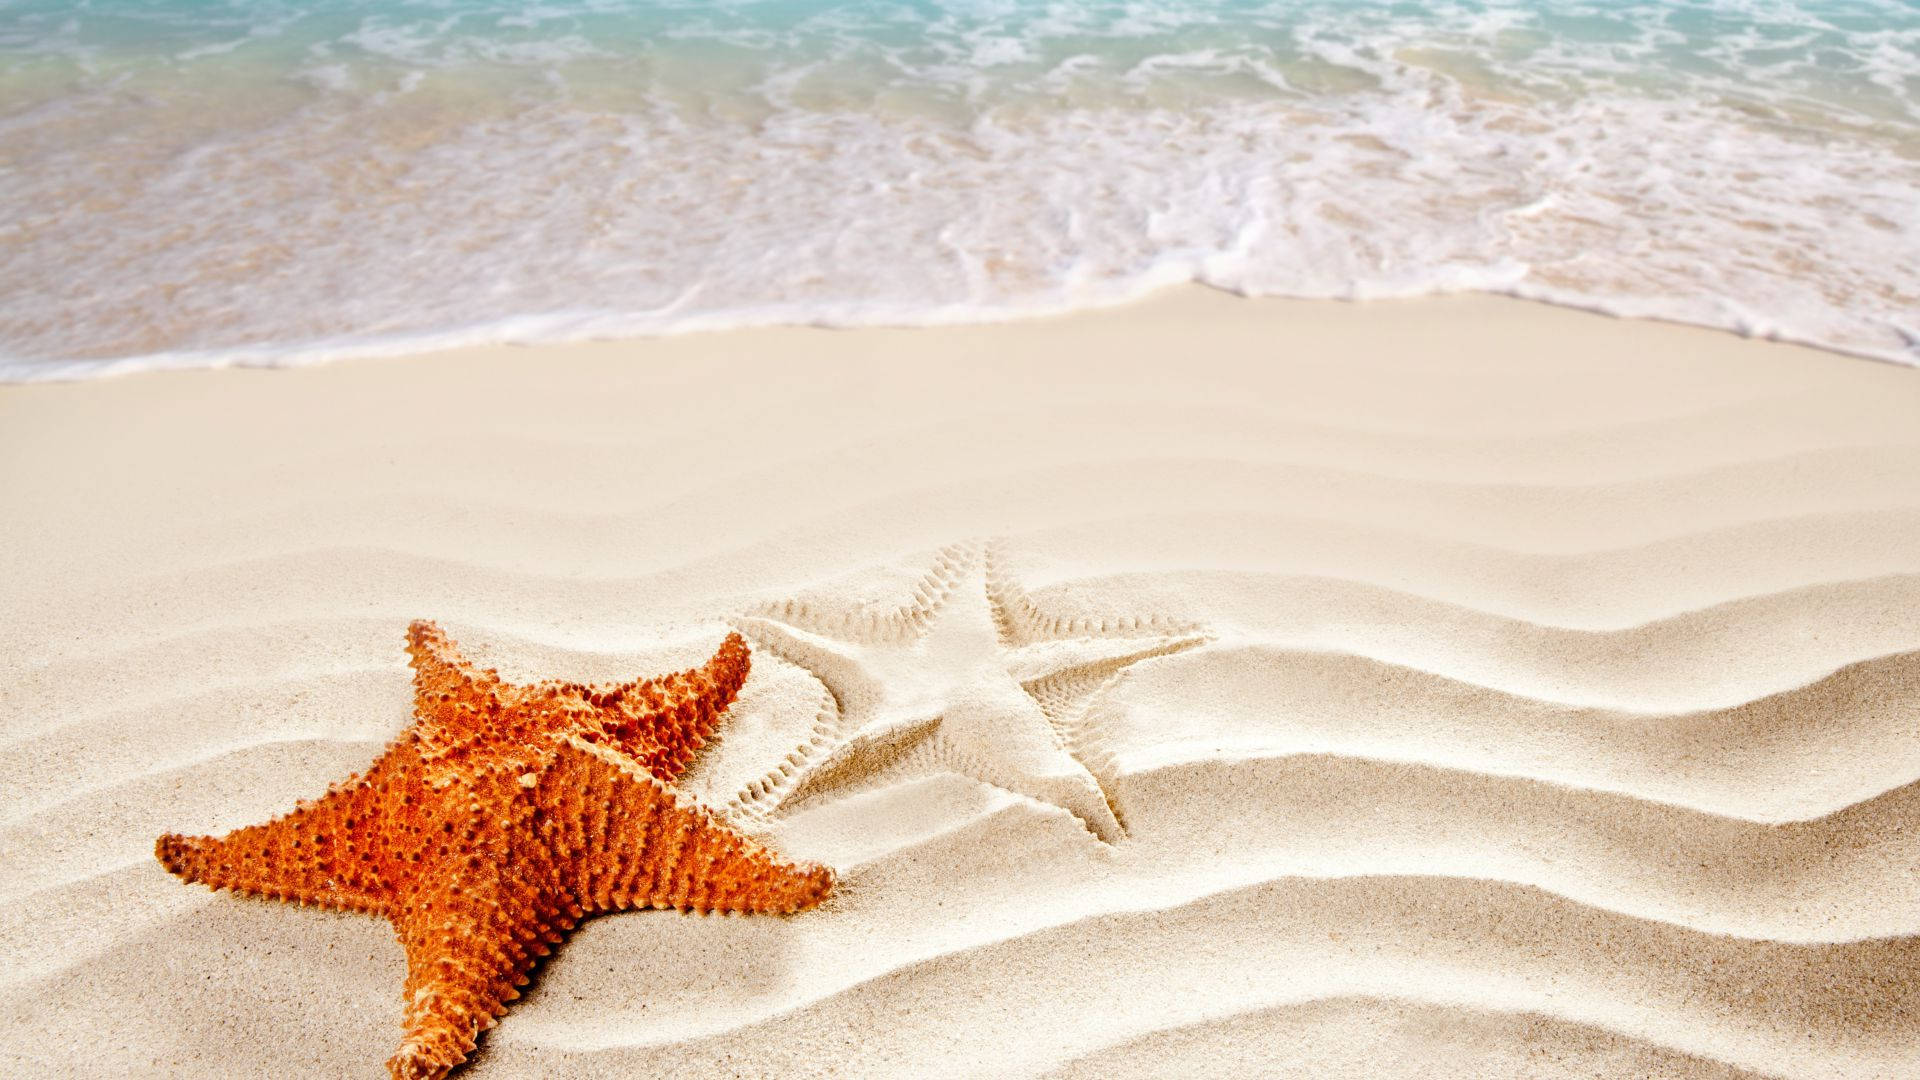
x=193, y=182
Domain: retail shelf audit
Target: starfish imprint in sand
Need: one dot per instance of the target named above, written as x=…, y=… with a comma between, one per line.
x=502, y=817
x=967, y=677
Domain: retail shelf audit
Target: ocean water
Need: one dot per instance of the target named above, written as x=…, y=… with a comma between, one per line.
x=200, y=182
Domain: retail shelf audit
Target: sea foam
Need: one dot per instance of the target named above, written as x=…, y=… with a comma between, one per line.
x=285, y=183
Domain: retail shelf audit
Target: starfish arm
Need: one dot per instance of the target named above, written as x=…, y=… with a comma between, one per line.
x=456, y=706
x=1085, y=663
x=874, y=754
x=471, y=941
x=878, y=622
x=1045, y=773
x=318, y=854
x=835, y=663
x=436, y=661
x=1021, y=621
x=662, y=722
x=622, y=840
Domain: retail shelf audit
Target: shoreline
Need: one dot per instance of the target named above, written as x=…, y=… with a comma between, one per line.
x=551, y=335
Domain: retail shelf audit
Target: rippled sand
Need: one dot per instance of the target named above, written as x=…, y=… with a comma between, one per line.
x=1538, y=694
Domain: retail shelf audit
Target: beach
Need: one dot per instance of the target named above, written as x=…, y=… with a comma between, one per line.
x=1481, y=688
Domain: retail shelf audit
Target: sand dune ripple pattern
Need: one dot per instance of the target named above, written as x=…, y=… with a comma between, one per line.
x=1539, y=754
x=1737, y=838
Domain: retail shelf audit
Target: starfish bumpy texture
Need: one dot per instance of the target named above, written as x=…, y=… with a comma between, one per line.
x=966, y=677
x=500, y=819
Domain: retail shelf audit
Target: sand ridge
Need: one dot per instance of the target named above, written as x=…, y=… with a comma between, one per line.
x=1514, y=688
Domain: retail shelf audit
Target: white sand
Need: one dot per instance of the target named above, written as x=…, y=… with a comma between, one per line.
x=1540, y=693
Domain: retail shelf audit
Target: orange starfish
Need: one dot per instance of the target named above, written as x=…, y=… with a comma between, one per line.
x=501, y=818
